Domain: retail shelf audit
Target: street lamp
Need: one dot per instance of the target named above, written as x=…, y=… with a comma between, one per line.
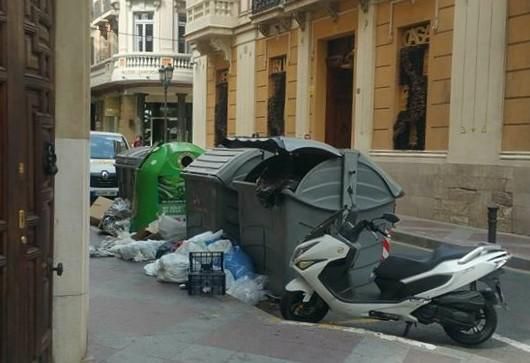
x=166, y=75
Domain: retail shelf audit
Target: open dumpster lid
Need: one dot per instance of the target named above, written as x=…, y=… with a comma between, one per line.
x=280, y=144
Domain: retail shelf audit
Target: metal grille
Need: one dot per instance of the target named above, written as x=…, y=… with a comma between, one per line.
x=97, y=181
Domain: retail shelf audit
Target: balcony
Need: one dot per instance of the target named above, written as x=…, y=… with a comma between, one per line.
x=140, y=68
x=211, y=18
x=259, y=6
x=267, y=11
x=276, y=15
x=104, y=10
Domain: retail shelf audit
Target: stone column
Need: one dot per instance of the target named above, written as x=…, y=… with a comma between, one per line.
x=70, y=295
x=477, y=81
x=246, y=88
x=303, y=76
x=200, y=69
x=364, y=79
x=123, y=38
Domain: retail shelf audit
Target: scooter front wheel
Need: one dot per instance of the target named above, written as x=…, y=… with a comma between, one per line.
x=482, y=331
x=293, y=307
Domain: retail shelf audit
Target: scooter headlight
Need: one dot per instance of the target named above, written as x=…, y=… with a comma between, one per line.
x=304, y=264
x=299, y=251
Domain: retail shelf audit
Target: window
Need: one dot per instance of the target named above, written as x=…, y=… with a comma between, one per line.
x=276, y=102
x=182, y=46
x=143, y=29
x=410, y=124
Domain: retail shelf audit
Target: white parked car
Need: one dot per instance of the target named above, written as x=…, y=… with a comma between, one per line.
x=104, y=146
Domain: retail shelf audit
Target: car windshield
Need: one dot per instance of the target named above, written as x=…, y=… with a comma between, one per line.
x=102, y=146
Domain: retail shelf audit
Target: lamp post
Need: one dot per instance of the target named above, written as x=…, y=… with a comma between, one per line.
x=166, y=75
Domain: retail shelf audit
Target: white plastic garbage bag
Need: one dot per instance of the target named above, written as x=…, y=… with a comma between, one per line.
x=171, y=229
x=250, y=291
x=151, y=269
x=173, y=267
x=223, y=245
x=137, y=250
x=206, y=237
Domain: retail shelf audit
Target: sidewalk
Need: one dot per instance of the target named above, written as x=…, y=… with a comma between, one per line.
x=135, y=319
x=430, y=234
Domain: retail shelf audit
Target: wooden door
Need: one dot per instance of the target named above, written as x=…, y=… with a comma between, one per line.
x=27, y=166
x=339, y=103
x=339, y=95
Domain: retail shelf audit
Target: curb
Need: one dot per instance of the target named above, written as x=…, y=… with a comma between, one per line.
x=418, y=240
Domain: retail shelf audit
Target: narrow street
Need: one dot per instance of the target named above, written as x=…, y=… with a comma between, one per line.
x=136, y=319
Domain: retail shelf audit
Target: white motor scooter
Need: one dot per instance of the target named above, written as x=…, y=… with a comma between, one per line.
x=441, y=287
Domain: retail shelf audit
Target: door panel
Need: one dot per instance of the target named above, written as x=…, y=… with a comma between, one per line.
x=3, y=181
x=27, y=129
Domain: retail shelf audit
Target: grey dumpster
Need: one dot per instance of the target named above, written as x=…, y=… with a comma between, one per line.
x=284, y=197
x=211, y=198
x=126, y=165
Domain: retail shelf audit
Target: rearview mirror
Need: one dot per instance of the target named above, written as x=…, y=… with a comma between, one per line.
x=391, y=218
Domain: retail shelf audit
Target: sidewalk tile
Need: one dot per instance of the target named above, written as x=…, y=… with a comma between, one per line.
x=420, y=356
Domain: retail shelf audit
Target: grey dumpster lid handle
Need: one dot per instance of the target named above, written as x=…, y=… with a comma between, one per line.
x=279, y=144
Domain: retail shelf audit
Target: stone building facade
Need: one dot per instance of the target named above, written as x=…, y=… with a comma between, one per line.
x=436, y=91
x=130, y=41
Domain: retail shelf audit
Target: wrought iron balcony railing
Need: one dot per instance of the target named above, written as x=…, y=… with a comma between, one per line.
x=259, y=6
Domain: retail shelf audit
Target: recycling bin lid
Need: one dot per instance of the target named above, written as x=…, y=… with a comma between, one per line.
x=281, y=144
x=226, y=165
x=132, y=157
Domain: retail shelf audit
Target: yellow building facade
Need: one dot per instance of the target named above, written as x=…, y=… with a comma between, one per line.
x=436, y=91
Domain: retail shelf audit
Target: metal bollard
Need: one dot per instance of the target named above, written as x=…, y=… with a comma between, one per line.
x=492, y=222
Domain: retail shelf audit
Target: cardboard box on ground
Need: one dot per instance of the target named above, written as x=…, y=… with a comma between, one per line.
x=98, y=209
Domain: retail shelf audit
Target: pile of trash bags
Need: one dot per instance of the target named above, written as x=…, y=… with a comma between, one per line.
x=167, y=230
x=241, y=280
x=117, y=219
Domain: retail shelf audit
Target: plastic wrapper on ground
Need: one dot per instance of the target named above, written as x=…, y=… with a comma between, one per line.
x=117, y=218
x=249, y=290
x=137, y=250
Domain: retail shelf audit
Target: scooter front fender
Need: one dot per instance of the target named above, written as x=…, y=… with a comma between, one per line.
x=299, y=284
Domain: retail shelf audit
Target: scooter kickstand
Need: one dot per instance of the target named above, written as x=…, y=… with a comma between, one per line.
x=407, y=328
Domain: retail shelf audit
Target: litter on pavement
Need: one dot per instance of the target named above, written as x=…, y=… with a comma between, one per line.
x=240, y=282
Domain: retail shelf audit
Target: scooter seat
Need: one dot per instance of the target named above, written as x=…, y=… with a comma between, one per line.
x=401, y=266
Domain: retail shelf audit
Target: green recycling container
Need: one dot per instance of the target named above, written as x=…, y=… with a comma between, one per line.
x=159, y=184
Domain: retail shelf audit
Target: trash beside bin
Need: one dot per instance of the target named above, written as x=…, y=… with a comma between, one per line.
x=321, y=180
x=159, y=184
x=126, y=165
x=211, y=198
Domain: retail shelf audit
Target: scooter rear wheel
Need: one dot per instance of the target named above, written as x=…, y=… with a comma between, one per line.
x=482, y=331
x=293, y=307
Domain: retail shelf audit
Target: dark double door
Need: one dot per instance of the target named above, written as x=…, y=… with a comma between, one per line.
x=27, y=166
